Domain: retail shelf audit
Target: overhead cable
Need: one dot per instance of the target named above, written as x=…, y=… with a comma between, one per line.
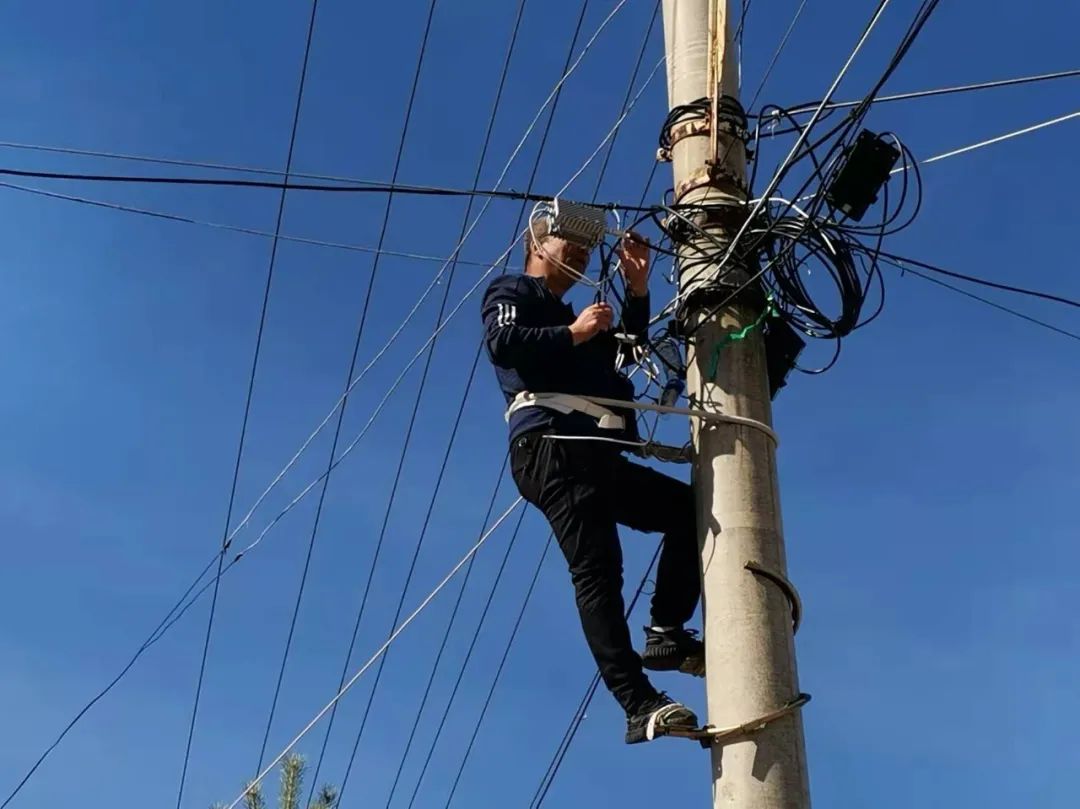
x=628, y=103
x=480, y=164
x=478, y=723
x=579, y=713
x=378, y=653
x=980, y=299
x=178, y=611
x=348, y=378
x=359, y=248
x=1007, y=136
x=343, y=188
x=247, y=403
x=906, y=263
x=943, y=91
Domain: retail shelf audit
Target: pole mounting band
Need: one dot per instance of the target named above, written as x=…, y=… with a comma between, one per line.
x=712, y=176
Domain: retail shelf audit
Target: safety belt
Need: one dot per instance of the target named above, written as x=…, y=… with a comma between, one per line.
x=567, y=403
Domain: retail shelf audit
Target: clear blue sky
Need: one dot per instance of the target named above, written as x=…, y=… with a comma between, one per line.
x=928, y=480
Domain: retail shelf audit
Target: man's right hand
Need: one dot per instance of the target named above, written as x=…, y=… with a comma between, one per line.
x=592, y=320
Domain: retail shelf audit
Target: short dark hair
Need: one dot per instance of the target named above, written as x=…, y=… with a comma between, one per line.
x=538, y=229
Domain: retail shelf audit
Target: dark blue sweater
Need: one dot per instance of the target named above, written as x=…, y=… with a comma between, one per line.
x=527, y=334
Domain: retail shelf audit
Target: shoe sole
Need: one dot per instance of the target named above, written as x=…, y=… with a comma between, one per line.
x=686, y=665
x=653, y=729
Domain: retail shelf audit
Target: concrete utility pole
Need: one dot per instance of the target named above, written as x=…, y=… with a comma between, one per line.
x=749, y=637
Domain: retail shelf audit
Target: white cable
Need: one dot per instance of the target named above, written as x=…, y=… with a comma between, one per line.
x=614, y=129
x=538, y=210
x=378, y=653
x=375, y=414
x=985, y=85
x=397, y=382
x=989, y=142
x=293, y=460
x=965, y=149
x=435, y=281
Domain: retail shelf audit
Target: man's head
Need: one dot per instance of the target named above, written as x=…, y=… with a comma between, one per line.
x=558, y=261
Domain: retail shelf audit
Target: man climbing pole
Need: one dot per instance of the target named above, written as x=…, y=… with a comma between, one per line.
x=566, y=457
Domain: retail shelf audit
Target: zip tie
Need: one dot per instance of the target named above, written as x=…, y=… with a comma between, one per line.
x=706, y=415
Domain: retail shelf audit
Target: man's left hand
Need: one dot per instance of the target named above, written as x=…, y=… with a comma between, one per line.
x=633, y=252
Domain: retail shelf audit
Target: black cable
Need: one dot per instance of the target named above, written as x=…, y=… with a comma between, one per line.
x=606, y=251
x=446, y=635
x=349, y=188
x=789, y=162
x=568, y=736
x=481, y=161
x=457, y=423
x=344, y=403
x=776, y=55
x=905, y=269
x=153, y=637
x=517, y=228
x=525, y=602
x=626, y=100
x=790, y=241
x=580, y=713
x=247, y=403
x=465, y=661
x=499, y=669
x=741, y=30
x=904, y=262
x=583, y=706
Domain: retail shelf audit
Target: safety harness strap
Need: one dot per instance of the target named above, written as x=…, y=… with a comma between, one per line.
x=567, y=403
x=594, y=406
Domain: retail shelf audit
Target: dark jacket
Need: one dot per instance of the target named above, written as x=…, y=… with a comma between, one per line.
x=528, y=340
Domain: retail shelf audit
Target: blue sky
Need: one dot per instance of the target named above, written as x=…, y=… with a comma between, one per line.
x=928, y=480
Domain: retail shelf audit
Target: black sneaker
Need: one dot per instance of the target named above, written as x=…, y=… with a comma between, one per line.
x=654, y=716
x=675, y=649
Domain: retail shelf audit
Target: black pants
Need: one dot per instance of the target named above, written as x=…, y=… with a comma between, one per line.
x=585, y=488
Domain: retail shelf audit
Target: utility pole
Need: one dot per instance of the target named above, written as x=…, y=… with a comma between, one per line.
x=746, y=601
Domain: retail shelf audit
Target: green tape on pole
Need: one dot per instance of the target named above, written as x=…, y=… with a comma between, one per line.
x=736, y=336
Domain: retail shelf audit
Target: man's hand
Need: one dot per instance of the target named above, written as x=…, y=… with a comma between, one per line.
x=592, y=320
x=633, y=252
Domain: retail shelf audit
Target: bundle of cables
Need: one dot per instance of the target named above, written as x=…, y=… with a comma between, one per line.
x=729, y=112
x=794, y=245
x=791, y=240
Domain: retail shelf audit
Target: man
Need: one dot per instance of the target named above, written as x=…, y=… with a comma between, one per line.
x=566, y=459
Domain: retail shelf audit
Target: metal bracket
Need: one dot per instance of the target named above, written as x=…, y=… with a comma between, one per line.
x=709, y=736
x=689, y=129
x=790, y=593
x=710, y=177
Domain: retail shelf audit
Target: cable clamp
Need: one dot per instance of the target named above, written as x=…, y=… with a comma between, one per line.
x=664, y=452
